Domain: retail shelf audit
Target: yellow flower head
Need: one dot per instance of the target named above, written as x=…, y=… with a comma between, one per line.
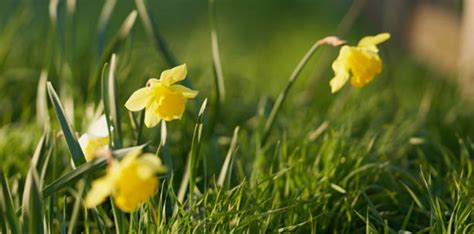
x=96, y=138
x=162, y=99
x=130, y=182
x=361, y=61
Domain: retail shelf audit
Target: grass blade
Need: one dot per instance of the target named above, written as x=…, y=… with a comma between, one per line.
x=218, y=74
x=32, y=214
x=219, y=97
x=42, y=152
x=8, y=209
x=41, y=100
x=195, y=149
x=77, y=207
x=119, y=218
x=109, y=98
x=188, y=177
x=228, y=158
x=69, y=133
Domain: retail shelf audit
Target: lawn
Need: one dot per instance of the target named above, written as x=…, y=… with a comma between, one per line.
x=393, y=156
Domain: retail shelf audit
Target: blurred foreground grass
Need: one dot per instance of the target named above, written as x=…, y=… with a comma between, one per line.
x=396, y=155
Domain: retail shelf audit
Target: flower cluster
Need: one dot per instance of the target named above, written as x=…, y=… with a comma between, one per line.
x=133, y=180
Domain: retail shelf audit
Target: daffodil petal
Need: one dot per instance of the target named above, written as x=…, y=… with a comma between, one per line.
x=135, y=182
x=90, y=145
x=101, y=189
x=187, y=92
x=152, y=82
x=139, y=99
x=371, y=42
x=83, y=141
x=130, y=156
x=338, y=81
x=153, y=162
x=151, y=117
x=173, y=75
x=341, y=73
x=99, y=127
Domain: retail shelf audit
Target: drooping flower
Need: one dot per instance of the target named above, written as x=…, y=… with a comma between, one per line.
x=362, y=62
x=96, y=138
x=130, y=182
x=162, y=99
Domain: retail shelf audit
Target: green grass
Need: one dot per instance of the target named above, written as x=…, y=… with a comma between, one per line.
x=394, y=156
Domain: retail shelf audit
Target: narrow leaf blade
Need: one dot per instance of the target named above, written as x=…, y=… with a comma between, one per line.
x=69, y=133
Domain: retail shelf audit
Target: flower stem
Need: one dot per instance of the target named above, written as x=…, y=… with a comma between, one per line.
x=331, y=40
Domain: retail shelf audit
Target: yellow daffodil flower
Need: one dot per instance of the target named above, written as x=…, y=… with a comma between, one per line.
x=130, y=182
x=361, y=61
x=96, y=138
x=162, y=99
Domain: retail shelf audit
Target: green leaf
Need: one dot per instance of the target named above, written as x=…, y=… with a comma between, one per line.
x=7, y=205
x=69, y=133
x=41, y=154
x=195, y=149
x=119, y=218
x=228, y=158
x=32, y=208
x=77, y=207
x=32, y=213
x=41, y=100
x=219, y=86
x=109, y=98
x=188, y=177
x=218, y=74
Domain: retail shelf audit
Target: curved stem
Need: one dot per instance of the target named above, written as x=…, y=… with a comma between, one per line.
x=333, y=41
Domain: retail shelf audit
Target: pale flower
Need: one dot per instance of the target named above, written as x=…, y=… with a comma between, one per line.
x=96, y=138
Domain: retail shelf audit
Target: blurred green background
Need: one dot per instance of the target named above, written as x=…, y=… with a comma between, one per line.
x=412, y=117
x=260, y=43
